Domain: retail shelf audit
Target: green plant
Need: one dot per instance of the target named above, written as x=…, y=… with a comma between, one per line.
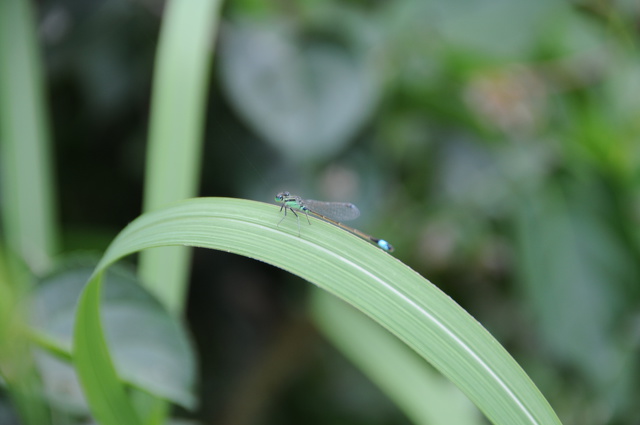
x=496, y=162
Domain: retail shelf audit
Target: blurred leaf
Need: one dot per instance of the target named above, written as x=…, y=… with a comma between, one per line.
x=306, y=98
x=150, y=348
x=606, y=125
x=27, y=181
x=397, y=370
x=498, y=28
x=344, y=265
x=569, y=265
x=492, y=31
x=176, y=127
x=18, y=374
x=622, y=106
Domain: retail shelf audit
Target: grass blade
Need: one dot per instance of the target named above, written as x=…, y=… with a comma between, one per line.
x=103, y=389
x=371, y=280
x=17, y=367
x=180, y=90
x=27, y=180
x=393, y=366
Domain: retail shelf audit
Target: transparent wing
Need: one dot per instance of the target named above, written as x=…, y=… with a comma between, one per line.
x=339, y=211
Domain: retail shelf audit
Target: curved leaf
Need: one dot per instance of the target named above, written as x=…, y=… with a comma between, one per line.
x=370, y=279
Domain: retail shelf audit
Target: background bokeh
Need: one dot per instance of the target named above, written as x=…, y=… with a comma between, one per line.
x=496, y=144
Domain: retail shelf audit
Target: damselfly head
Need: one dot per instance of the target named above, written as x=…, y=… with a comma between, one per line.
x=280, y=196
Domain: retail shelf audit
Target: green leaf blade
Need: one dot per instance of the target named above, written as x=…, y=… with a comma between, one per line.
x=176, y=127
x=28, y=195
x=363, y=275
x=104, y=391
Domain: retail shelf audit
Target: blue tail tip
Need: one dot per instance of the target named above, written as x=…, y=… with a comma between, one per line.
x=385, y=245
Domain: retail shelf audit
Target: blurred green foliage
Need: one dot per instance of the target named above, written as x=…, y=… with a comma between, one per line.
x=495, y=144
